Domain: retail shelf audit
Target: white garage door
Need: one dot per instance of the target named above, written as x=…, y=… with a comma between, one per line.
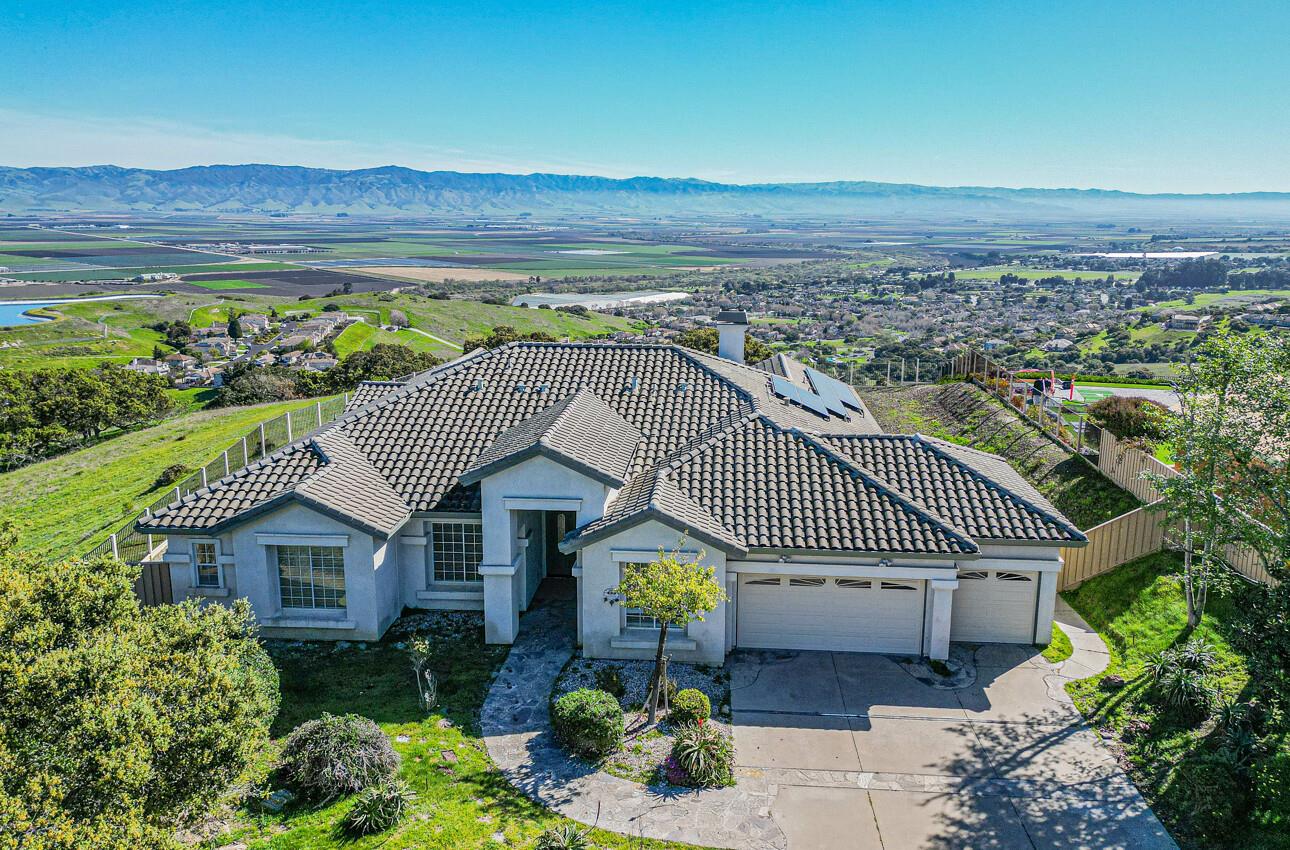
x=994, y=606
x=843, y=614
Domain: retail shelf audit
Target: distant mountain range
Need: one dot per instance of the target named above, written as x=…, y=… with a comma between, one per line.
x=393, y=190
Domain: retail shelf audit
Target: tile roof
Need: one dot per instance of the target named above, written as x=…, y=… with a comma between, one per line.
x=580, y=430
x=975, y=491
x=699, y=442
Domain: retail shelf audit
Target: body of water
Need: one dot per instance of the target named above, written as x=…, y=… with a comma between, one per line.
x=16, y=312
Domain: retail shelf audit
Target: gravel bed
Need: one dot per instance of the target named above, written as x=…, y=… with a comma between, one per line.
x=635, y=675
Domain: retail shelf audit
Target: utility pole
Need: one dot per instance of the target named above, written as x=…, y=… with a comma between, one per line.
x=888, y=373
x=902, y=371
x=918, y=368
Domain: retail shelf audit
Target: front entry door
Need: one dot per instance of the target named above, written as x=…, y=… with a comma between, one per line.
x=558, y=524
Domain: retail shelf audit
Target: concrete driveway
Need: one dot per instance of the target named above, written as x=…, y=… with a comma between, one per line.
x=855, y=752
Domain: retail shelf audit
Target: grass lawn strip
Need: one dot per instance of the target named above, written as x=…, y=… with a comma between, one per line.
x=1059, y=649
x=463, y=802
x=1139, y=610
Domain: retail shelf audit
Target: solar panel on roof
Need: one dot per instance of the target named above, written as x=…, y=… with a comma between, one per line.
x=786, y=389
x=828, y=387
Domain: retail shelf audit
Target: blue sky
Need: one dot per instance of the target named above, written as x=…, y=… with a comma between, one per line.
x=1180, y=96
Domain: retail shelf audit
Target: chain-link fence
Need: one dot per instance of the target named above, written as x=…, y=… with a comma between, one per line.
x=130, y=545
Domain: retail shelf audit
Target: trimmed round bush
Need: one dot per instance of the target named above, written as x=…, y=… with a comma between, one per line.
x=588, y=722
x=705, y=754
x=690, y=706
x=337, y=755
x=378, y=808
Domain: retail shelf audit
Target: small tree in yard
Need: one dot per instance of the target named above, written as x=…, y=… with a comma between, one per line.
x=675, y=592
x=1222, y=436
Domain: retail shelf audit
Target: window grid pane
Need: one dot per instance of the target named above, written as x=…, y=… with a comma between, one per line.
x=207, y=564
x=311, y=576
x=457, y=548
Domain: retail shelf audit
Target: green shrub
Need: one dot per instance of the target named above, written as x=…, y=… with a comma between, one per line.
x=379, y=807
x=705, y=754
x=1178, y=675
x=588, y=722
x=609, y=680
x=334, y=756
x=566, y=836
x=690, y=706
x=1211, y=793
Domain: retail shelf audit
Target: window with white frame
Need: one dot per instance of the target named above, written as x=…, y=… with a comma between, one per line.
x=456, y=550
x=634, y=618
x=311, y=576
x=206, y=564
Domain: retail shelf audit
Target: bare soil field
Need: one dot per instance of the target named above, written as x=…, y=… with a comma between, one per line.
x=438, y=275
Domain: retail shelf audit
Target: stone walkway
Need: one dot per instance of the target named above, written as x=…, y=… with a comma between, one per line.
x=517, y=731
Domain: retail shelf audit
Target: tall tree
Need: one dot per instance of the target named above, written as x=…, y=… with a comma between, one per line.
x=1213, y=446
x=675, y=591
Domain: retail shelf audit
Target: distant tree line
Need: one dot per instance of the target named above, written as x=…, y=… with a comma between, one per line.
x=48, y=411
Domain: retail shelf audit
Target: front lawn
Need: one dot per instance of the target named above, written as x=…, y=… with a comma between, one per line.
x=463, y=801
x=1208, y=792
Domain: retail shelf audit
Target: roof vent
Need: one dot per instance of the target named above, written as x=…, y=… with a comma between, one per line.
x=631, y=385
x=542, y=388
x=477, y=386
x=682, y=388
x=520, y=388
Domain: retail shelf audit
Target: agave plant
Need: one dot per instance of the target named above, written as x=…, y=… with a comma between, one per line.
x=705, y=753
x=1195, y=654
x=379, y=807
x=566, y=836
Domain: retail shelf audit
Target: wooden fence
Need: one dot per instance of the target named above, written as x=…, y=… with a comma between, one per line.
x=153, y=584
x=1129, y=466
x=1117, y=541
x=1126, y=537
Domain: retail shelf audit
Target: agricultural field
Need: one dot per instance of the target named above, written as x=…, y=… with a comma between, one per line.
x=88, y=333
x=1029, y=273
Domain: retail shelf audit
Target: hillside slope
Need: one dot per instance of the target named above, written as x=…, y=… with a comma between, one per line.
x=66, y=505
x=964, y=414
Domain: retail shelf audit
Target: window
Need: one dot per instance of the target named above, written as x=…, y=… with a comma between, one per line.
x=634, y=619
x=895, y=585
x=1011, y=577
x=311, y=576
x=854, y=583
x=456, y=550
x=806, y=582
x=206, y=565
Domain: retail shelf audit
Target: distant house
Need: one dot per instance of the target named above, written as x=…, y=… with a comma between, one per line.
x=148, y=366
x=1058, y=344
x=216, y=346
x=992, y=344
x=294, y=341
x=179, y=360
x=290, y=358
x=1187, y=322
x=1267, y=320
x=217, y=329
x=318, y=361
x=254, y=324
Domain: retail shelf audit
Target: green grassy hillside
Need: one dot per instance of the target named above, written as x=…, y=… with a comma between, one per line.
x=66, y=505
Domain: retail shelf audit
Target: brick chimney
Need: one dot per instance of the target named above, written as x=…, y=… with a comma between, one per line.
x=731, y=326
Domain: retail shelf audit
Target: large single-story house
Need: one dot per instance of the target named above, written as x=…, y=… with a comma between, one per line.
x=467, y=486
